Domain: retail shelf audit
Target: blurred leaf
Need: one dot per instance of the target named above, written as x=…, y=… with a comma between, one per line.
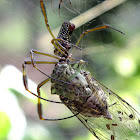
x=5, y=125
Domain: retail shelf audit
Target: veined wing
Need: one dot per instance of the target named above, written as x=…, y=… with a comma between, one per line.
x=125, y=122
x=122, y=111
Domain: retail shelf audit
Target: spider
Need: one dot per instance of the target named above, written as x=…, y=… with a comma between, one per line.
x=104, y=113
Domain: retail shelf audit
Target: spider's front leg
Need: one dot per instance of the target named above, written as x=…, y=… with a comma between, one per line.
x=95, y=29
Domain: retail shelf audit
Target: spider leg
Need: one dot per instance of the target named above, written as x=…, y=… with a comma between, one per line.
x=60, y=5
x=73, y=8
x=61, y=2
x=35, y=66
x=95, y=29
x=64, y=49
x=38, y=90
x=41, y=53
x=39, y=105
x=41, y=118
x=33, y=62
x=58, y=46
x=25, y=77
x=45, y=17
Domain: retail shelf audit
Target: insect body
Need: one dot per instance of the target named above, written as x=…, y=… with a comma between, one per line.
x=87, y=98
x=106, y=115
x=103, y=112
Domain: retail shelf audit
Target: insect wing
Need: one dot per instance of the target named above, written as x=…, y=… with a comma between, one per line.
x=125, y=122
x=103, y=129
x=122, y=112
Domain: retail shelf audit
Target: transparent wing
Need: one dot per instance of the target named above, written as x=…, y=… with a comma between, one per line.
x=125, y=122
x=122, y=111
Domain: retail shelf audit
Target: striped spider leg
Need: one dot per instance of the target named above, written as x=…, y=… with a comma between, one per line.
x=62, y=3
x=25, y=79
x=62, y=45
x=62, y=42
x=95, y=29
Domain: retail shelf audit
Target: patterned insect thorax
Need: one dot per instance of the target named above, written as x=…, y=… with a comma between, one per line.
x=82, y=94
x=65, y=34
